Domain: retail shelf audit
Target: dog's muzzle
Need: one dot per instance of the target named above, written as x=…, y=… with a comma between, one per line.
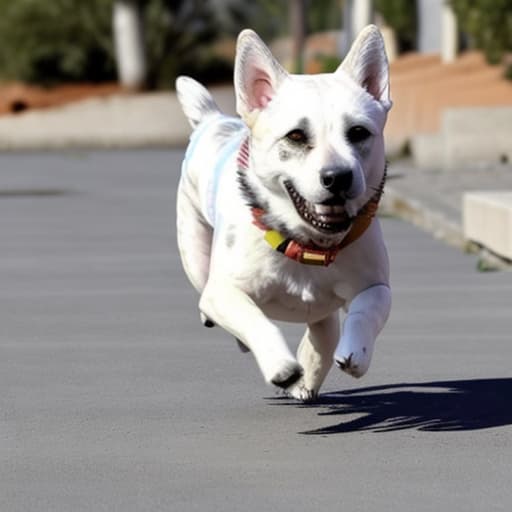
x=328, y=217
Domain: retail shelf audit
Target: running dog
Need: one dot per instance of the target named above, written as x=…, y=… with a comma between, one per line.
x=276, y=210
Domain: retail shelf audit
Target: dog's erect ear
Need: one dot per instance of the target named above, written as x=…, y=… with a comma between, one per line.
x=257, y=74
x=367, y=64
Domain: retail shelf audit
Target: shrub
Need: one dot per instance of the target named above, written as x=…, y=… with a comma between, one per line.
x=488, y=23
x=52, y=41
x=401, y=16
x=60, y=40
x=179, y=34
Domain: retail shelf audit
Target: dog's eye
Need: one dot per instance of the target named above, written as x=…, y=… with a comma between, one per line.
x=358, y=134
x=297, y=136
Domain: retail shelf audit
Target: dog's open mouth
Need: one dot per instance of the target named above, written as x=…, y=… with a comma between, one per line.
x=328, y=217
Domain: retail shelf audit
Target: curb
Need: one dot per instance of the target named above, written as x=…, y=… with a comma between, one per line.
x=395, y=203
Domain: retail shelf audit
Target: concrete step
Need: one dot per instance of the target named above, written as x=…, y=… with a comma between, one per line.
x=487, y=220
x=469, y=137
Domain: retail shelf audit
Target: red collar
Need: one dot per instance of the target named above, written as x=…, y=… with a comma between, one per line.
x=312, y=254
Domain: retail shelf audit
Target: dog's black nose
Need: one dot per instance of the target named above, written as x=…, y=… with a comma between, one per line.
x=336, y=179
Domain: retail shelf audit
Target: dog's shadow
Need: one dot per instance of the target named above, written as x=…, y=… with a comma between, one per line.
x=430, y=406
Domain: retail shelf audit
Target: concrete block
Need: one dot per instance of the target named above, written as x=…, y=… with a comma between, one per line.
x=478, y=135
x=487, y=220
x=469, y=137
x=151, y=119
x=428, y=150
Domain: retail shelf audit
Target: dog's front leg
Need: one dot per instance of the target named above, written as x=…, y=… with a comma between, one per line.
x=233, y=310
x=366, y=316
x=315, y=355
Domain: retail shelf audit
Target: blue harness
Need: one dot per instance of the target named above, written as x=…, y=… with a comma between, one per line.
x=227, y=152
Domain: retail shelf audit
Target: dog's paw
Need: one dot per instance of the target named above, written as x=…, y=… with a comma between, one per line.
x=300, y=392
x=350, y=365
x=206, y=321
x=289, y=373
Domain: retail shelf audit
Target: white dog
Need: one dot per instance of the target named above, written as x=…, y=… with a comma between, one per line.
x=276, y=210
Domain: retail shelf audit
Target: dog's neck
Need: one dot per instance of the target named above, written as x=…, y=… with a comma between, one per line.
x=282, y=241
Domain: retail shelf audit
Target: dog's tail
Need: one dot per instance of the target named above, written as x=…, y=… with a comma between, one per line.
x=196, y=101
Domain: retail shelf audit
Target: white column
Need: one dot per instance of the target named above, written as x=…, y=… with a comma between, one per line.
x=356, y=15
x=449, y=34
x=129, y=44
x=362, y=15
x=429, y=25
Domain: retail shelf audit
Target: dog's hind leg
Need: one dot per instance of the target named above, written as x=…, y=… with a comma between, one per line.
x=315, y=354
x=194, y=239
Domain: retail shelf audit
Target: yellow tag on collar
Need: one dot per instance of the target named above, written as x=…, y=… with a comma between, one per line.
x=297, y=252
x=274, y=238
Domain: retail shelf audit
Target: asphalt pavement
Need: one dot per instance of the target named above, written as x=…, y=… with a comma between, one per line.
x=114, y=398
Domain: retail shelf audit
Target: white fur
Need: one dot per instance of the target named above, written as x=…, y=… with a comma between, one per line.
x=244, y=283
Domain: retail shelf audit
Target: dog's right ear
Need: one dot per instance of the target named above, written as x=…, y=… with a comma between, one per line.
x=258, y=75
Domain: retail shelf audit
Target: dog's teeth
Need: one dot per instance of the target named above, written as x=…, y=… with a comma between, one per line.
x=323, y=209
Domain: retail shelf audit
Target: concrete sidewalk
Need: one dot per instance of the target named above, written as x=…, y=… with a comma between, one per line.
x=117, y=121
x=431, y=199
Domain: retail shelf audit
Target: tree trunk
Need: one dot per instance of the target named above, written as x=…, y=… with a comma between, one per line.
x=298, y=29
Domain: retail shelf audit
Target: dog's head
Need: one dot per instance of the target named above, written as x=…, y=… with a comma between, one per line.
x=316, y=145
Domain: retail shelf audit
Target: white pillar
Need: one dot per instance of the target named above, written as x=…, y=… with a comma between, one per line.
x=429, y=25
x=362, y=15
x=449, y=34
x=356, y=15
x=129, y=44
x=346, y=38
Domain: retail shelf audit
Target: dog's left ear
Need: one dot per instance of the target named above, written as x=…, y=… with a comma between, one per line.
x=367, y=64
x=258, y=75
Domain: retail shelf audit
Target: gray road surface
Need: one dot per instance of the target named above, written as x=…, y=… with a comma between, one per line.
x=114, y=398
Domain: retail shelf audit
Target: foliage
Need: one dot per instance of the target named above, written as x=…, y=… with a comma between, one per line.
x=323, y=15
x=488, y=24
x=60, y=40
x=179, y=34
x=49, y=41
x=328, y=63
x=269, y=18
x=401, y=16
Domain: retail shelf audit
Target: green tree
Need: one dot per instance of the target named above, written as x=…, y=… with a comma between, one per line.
x=401, y=16
x=488, y=24
x=322, y=15
x=179, y=35
x=269, y=18
x=60, y=40
x=52, y=41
